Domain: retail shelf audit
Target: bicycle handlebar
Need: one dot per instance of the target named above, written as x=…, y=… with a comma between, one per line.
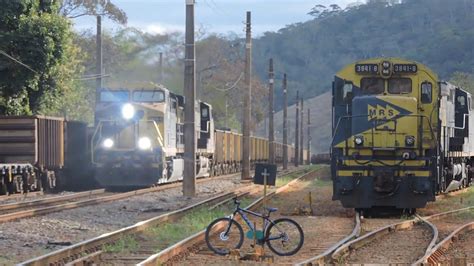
x=236, y=201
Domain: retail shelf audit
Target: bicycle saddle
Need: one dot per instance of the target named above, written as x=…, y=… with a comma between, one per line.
x=271, y=209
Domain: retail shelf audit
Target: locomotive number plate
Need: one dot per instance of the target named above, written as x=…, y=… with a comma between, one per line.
x=367, y=68
x=405, y=68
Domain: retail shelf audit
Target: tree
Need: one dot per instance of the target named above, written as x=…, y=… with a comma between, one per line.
x=464, y=81
x=35, y=65
x=78, y=8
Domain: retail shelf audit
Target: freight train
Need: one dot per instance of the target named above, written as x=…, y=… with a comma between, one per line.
x=36, y=152
x=400, y=135
x=137, y=141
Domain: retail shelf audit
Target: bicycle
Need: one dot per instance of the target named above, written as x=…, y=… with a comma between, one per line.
x=283, y=236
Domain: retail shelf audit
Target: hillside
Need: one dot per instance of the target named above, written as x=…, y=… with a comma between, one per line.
x=320, y=108
x=438, y=33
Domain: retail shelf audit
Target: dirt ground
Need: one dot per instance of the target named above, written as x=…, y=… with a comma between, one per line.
x=328, y=224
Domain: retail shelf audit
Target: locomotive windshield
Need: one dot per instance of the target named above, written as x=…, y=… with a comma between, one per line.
x=372, y=86
x=155, y=96
x=399, y=85
x=114, y=96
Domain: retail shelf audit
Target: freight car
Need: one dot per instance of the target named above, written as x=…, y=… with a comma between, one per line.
x=37, y=151
x=228, y=153
x=399, y=135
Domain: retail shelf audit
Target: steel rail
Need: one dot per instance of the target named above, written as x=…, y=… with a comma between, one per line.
x=21, y=195
x=199, y=237
x=325, y=257
x=362, y=241
x=40, y=202
x=432, y=257
x=72, y=205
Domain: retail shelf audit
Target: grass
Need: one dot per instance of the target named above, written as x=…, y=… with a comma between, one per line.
x=283, y=180
x=127, y=243
x=452, y=202
x=170, y=233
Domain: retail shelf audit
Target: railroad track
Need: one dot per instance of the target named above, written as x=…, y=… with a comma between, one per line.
x=55, y=204
x=21, y=196
x=406, y=240
x=90, y=250
x=326, y=256
x=456, y=235
x=189, y=243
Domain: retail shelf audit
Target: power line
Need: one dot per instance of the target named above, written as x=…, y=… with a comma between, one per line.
x=18, y=61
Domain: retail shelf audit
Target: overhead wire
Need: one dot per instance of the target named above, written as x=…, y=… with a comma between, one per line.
x=18, y=61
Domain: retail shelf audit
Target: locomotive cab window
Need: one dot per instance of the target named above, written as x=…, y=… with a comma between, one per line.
x=347, y=93
x=343, y=91
x=399, y=86
x=370, y=86
x=461, y=101
x=426, y=92
x=114, y=96
x=149, y=96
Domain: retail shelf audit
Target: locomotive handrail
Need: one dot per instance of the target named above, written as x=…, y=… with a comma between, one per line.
x=360, y=116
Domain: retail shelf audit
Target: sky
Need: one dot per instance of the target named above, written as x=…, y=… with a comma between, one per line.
x=216, y=16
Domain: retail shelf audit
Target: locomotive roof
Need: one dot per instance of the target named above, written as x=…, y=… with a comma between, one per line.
x=349, y=69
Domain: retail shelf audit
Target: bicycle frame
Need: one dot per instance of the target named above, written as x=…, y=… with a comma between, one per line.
x=243, y=213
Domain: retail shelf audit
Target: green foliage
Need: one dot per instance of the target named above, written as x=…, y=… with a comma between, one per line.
x=79, y=8
x=40, y=64
x=170, y=233
x=434, y=32
x=463, y=80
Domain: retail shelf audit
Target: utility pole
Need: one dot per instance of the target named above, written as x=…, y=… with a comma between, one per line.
x=247, y=96
x=302, y=133
x=309, y=136
x=297, y=130
x=98, y=66
x=285, y=124
x=160, y=77
x=271, y=136
x=189, y=180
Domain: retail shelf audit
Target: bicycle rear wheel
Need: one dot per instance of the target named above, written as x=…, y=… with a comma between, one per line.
x=224, y=235
x=284, y=237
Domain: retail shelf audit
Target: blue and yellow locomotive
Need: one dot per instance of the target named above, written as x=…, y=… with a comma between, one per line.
x=399, y=135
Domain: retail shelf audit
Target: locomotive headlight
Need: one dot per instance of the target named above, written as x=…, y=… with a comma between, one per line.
x=144, y=143
x=108, y=143
x=359, y=140
x=410, y=140
x=128, y=111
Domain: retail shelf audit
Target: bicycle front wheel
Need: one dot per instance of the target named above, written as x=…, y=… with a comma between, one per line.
x=284, y=237
x=224, y=235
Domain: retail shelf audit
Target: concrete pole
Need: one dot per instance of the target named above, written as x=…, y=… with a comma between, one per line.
x=297, y=130
x=285, y=124
x=189, y=180
x=247, y=100
x=98, y=66
x=271, y=130
x=309, y=137
x=302, y=132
